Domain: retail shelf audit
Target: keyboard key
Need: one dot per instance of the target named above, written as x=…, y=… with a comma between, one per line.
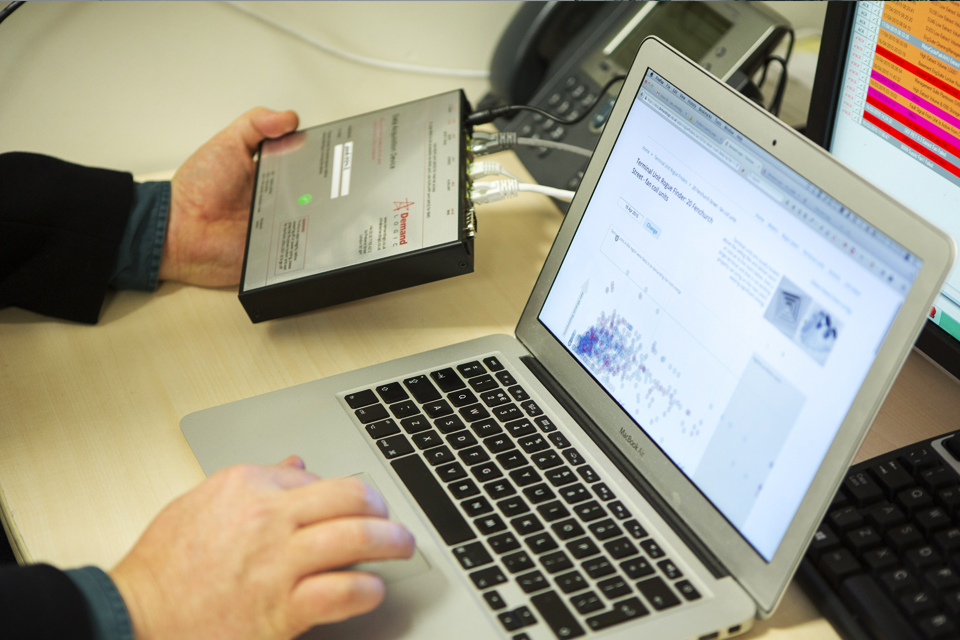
x=597, y=567
x=620, y=548
x=588, y=474
x=472, y=555
x=938, y=627
x=557, y=616
x=589, y=511
x=538, y=493
x=602, y=491
x=573, y=456
x=862, y=539
x=919, y=457
x=382, y=429
x=513, y=506
x=559, y=440
x=392, y=392
x=629, y=609
x=517, y=562
x=555, y=562
x=862, y=595
x=461, y=439
x=948, y=541
x=476, y=506
x=518, y=393
x=652, y=548
x=605, y=529
x=938, y=477
x=571, y=582
x=482, y=383
x=449, y=424
x=553, y=511
x=497, y=444
x=490, y=523
x=486, y=428
x=902, y=537
x=499, y=489
x=526, y=524
x=461, y=398
x=448, y=380
x=845, y=518
x=421, y=389
x=669, y=569
x=438, y=455
x=394, y=446
x=880, y=560
x=474, y=455
x=433, y=500
x=658, y=593
x=494, y=398
x=574, y=493
x=884, y=515
x=520, y=428
x=941, y=580
x=525, y=476
x=489, y=577
x=450, y=472
x=930, y=520
x=531, y=408
x=359, y=399
x=372, y=413
x=586, y=603
x=505, y=378
x=613, y=588
x=898, y=581
x=567, y=529
x=473, y=412
x=503, y=542
x=470, y=369
x=560, y=476
x=837, y=565
x=861, y=487
x=634, y=528
x=618, y=510
x=526, y=618
x=463, y=489
x=892, y=477
x=437, y=409
x=533, y=581
x=546, y=459
x=508, y=412
x=687, y=590
x=511, y=460
x=530, y=444
x=492, y=363
x=486, y=471
x=637, y=568
x=427, y=440
x=540, y=543
x=949, y=498
x=415, y=424
x=544, y=423
x=509, y=621
x=494, y=601
x=582, y=548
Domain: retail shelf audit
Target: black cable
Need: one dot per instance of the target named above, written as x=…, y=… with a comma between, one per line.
x=10, y=8
x=782, y=84
x=489, y=115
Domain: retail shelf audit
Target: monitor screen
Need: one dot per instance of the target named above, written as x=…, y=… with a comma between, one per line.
x=730, y=307
x=893, y=115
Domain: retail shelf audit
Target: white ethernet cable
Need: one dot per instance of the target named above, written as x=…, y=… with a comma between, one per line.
x=484, y=143
x=484, y=192
x=353, y=57
x=483, y=168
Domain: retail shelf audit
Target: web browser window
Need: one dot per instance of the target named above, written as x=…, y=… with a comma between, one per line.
x=731, y=308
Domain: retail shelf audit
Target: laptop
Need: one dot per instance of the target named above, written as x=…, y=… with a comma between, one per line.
x=715, y=327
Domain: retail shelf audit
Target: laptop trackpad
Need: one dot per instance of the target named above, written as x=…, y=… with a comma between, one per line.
x=392, y=570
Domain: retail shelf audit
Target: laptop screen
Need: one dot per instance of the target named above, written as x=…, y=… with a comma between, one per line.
x=729, y=307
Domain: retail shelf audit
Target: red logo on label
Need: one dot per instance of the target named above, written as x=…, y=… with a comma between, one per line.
x=405, y=208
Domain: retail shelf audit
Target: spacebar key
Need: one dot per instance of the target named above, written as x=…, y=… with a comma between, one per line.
x=433, y=499
x=555, y=612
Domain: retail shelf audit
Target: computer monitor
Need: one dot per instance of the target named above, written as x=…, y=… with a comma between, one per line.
x=886, y=102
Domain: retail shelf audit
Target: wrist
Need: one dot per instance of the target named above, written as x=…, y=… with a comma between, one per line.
x=137, y=588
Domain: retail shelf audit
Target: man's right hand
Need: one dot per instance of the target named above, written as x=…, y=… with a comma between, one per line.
x=253, y=553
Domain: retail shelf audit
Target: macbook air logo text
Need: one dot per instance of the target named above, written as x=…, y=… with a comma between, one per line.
x=633, y=444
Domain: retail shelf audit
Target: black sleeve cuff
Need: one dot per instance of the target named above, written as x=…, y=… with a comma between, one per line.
x=60, y=226
x=39, y=602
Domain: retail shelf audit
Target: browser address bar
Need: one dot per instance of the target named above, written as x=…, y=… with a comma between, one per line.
x=693, y=133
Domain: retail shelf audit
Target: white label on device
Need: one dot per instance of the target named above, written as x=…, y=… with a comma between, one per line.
x=337, y=167
x=347, y=161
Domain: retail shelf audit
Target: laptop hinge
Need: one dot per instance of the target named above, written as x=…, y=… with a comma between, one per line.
x=627, y=469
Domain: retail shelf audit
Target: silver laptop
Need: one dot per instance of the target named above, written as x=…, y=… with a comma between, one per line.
x=719, y=319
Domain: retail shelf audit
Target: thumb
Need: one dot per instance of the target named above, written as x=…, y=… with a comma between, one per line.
x=259, y=123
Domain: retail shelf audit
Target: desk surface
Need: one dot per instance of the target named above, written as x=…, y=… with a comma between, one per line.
x=91, y=446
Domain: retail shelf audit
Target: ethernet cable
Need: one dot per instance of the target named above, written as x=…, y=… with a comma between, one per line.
x=484, y=143
x=484, y=192
x=483, y=168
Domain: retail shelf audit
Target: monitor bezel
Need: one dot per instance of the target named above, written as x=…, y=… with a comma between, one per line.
x=934, y=342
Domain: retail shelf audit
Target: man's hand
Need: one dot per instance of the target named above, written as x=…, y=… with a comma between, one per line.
x=253, y=553
x=210, y=201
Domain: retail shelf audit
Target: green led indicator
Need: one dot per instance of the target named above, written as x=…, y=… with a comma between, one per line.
x=305, y=198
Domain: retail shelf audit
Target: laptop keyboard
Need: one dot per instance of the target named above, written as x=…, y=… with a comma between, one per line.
x=885, y=562
x=517, y=503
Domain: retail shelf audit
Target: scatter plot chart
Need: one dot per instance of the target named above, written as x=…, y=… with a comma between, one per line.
x=654, y=369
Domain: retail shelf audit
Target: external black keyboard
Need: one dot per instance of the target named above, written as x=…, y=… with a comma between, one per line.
x=517, y=503
x=885, y=562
